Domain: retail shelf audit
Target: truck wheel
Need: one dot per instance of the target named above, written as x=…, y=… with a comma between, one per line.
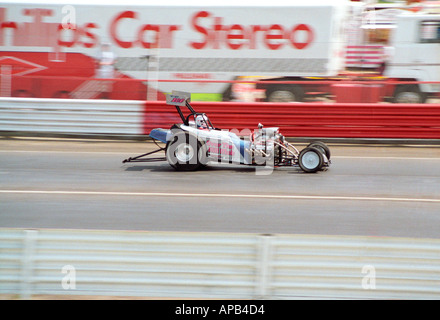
x=185, y=152
x=62, y=95
x=321, y=146
x=409, y=94
x=285, y=94
x=311, y=160
x=22, y=94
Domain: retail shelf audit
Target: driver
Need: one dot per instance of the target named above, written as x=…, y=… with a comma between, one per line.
x=201, y=122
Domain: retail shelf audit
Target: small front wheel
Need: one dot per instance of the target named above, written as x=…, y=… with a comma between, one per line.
x=311, y=159
x=321, y=146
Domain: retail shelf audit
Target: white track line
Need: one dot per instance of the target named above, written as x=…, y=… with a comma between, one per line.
x=384, y=158
x=62, y=152
x=219, y=195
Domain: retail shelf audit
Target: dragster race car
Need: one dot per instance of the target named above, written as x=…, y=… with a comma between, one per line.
x=195, y=143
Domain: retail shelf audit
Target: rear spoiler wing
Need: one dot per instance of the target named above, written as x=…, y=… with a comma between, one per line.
x=178, y=98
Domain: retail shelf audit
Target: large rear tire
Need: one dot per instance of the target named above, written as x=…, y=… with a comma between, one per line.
x=185, y=152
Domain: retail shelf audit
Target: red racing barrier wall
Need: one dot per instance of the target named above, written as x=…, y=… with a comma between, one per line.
x=326, y=120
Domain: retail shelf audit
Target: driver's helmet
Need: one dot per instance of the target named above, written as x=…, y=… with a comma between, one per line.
x=200, y=122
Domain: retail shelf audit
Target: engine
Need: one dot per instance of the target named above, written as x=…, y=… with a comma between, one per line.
x=263, y=142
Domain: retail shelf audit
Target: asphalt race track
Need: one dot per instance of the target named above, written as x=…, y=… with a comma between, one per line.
x=369, y=190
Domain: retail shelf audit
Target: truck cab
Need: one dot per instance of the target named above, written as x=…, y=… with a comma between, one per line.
x=415, y=43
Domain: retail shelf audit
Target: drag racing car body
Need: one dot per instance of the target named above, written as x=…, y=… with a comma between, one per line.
x=195, y=143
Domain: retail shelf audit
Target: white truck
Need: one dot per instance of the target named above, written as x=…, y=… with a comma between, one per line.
x=415, y=43
x=49, y=50
x=406, y=40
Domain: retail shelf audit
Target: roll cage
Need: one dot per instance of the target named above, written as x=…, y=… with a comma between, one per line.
x=178, y=99
x=182, y=99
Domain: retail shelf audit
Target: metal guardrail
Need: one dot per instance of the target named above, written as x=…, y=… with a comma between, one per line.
x=122, y=118
x=71, y=116
x=216, y=265
x=321, y=120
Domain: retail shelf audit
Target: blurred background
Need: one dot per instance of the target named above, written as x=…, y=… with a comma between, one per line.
x=382, y=50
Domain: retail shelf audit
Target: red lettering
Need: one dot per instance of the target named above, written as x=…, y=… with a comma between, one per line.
x=5, y=24
x=215, y=36
x=148, y=35
x=200, y=29
x=92, y=37
x=73, y=34
x=213, y=33
x=40, y=33
x=37, y=32
x=38, y=15
x=239, y=35
x=275, y=32
x=71, y=37
x=192, y=75
x=236, y=36
x=149, y=29
x=220, y=148
x=166, y=36
x=114, y=25
x=309, y=36
x=253, y=37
